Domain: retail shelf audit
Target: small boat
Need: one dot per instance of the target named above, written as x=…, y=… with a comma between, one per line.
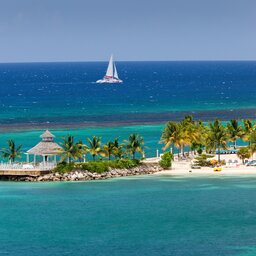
x=111, y=76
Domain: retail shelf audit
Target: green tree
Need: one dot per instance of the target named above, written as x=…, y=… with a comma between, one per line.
x=166, y=160
x=170, y=135
x=70, y=149
x=135, y=143
x=118, y=149
x=244, y=153
x=12, y=152
x=109, y=149
x=252, y=145
x=217, y=137
x=235, y=131
x=188, y=132
x=248, y=129
x=197, y=147
x=181, y=134
x=94, y=147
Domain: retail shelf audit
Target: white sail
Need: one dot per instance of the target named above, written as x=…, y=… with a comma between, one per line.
x=110, y=70
x=111, y=76
x=115, y=72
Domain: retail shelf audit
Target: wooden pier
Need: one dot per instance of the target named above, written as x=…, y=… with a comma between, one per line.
x=20, y=172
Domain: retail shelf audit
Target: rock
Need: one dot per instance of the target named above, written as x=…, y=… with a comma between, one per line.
x=86, y=175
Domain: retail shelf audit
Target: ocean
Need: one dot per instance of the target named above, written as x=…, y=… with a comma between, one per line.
x=65, y=98
x=146, y=215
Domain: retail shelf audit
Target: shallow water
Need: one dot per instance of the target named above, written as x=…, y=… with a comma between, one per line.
x=147, y=215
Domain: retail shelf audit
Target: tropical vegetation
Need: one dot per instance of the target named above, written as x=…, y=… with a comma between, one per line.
x=111, y=150
x=97, y=166
x=211, y=137
x=166, y=160
x=12, y=151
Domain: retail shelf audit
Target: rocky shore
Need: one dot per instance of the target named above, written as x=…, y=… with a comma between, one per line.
x=81, y=175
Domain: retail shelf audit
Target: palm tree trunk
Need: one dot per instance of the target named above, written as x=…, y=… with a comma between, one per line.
x=133, y=155
x=234, y=144
x=183, y=151
x=219, y=153
x=93, y=157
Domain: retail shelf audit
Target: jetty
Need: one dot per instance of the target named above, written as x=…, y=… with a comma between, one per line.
x=20, y=172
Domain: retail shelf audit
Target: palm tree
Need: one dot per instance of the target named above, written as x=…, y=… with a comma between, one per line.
x=70, y=149
x=169, y=135
x=217, y=137
x=244, y=153
x=118, y=149
x=135, y=143
x=235, y=131
x=252, y=146
x=198, y=137
x=178, y=134
x=12, y=152
x=94, y=147
x=248, y=129
x=109, y=149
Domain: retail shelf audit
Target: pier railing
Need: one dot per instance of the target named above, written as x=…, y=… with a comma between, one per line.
x=27, y=166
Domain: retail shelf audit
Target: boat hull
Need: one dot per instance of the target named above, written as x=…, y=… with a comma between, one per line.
x=109, y=81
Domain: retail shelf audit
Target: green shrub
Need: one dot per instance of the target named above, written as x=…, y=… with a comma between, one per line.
x=202, y=160
x=97, y=166
x=64, y=167
x=166, y=160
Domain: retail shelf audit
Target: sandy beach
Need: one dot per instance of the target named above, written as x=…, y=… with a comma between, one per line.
x=184, y=168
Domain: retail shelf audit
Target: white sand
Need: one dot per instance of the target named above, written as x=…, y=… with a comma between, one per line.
x=184, y=168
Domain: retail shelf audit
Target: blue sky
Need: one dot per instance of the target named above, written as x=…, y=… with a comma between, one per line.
x=88, y=30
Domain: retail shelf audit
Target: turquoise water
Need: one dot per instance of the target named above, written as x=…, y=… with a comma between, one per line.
x=130, y=216
x=150, y=133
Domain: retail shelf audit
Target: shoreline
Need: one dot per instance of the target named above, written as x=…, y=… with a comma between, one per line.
x=81, y=175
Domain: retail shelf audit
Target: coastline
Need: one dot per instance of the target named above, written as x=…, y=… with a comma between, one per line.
x=81, y=175
x=150, y=166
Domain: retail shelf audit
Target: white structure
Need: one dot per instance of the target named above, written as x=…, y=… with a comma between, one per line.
x=111, y=76
x=46, y=148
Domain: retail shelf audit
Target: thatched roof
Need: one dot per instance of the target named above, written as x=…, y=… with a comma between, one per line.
x=47, y=134
x=46, y=147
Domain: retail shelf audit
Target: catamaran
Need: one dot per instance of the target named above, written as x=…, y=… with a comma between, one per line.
x=111, y=76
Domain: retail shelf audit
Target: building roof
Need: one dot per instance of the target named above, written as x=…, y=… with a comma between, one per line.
x=47, y=146
x=47, y=134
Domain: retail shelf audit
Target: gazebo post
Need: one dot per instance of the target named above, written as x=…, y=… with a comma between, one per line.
x=46, y=148
x=27, y=158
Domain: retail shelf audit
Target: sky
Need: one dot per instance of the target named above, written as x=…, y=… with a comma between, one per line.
x=90, y=30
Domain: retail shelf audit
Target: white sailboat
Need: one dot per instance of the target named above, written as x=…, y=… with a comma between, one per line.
x=111, y=76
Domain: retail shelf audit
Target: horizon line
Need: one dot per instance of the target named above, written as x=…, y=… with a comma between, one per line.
x=95, y=61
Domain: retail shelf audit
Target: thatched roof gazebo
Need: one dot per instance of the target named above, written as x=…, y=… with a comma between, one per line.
x=45, y=148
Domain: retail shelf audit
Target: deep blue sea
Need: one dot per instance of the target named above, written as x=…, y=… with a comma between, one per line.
x=65, y=98
x=151, y=216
